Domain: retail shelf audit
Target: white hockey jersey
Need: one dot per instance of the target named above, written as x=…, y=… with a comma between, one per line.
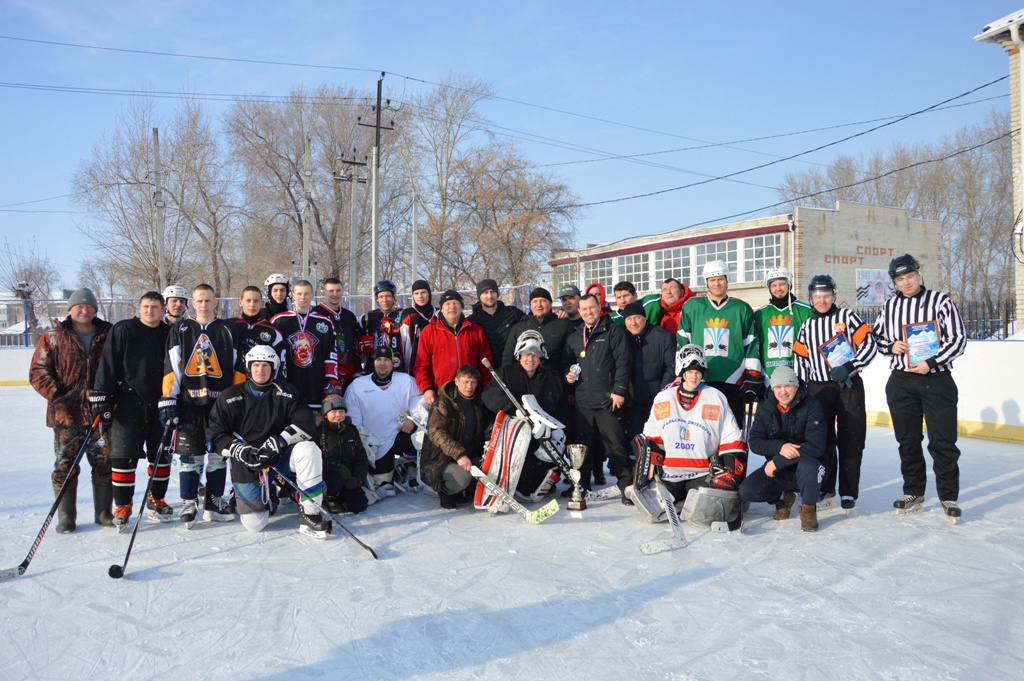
x=690, y=435
x=378, y=410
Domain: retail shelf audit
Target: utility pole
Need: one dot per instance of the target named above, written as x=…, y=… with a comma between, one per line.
x=158, y=201
x=353, y=232
x=307, y=185
x=415, y=235
x=375, y=170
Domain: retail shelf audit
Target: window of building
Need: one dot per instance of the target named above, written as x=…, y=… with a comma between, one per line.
x=565, y=274
x=718, y=250
x=635, y=268
x=672, y=263
x=760, y=254
x=599, y=271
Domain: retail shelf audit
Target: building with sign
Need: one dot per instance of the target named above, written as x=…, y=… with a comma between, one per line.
x=853, y=242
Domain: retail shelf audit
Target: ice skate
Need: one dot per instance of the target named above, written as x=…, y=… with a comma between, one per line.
x=157, y=509
x=315, y=525
x=908, y=503
x=188, y=514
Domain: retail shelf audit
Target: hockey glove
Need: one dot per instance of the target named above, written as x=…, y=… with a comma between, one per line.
x=657, y=456
x=168, y=411
x=751, y=389
x=721, y=477
x=841, y=374
x=100, y=404
x=245, y=455
x=541, y=431
x=271, y=450
x=364, y=345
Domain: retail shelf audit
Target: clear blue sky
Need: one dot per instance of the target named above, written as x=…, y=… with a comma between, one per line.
x=661, y=76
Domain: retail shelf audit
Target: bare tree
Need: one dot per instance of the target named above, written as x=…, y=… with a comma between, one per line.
x=28, y=275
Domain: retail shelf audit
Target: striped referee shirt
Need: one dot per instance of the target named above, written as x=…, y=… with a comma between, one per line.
x=927, y=305
x=819, y=329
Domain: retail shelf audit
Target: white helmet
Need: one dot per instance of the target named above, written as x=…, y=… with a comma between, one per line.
x=687, y=357
x=715, y=268
x=175, y=291
x=276, y=278
x=779, y=272
x=262, y=353
x=530, y=342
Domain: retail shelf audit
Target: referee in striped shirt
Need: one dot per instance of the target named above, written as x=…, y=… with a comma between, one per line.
x=841, y=336
x=924, y=388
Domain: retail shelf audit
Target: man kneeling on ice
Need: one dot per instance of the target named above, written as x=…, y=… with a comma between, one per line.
x=261, y=424
x=789, y=431
x=455, y=437
x=691, y=451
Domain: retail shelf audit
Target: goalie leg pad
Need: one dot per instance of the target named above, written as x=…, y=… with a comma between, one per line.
x=646, y=501
x=706, y=505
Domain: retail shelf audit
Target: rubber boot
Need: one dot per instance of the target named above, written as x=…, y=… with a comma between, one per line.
x=67, y=510
x=103, y=501
x=808, y=518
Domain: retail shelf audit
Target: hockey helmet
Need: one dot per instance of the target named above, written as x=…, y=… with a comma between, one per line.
x=715, y=268
x=779, y=272
x=691, y=357
x=262, y=353
x=385, y=285
x=821, y=283
x=903, y=264
x=175, y=291
x=276, y=278
x=530, y=343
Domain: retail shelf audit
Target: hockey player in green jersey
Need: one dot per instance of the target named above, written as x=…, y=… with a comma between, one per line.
x=724, y=328
x=778, y=323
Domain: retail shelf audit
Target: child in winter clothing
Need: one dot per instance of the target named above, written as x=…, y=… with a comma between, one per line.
x=345, y=460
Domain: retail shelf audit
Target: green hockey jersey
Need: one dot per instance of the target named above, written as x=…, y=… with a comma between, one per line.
x=726, y=334
x=777, y=330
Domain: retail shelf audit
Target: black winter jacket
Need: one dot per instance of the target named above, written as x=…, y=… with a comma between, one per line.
x=607, y=364
x=497, y=326
x=546, y=385
x=553, y=330
x=803, y=424
x=654, y=363
x=342, y=451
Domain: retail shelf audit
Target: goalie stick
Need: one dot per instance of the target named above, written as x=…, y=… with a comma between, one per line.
x=11, y=573
x=533, y=517
x=678, y=541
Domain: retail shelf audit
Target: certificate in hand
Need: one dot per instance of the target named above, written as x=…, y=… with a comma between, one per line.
x=922, y=340
x=836, y=351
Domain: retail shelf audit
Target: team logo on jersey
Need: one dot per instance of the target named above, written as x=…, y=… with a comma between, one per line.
x=265, y=336
x=321, y=327
x=684, y=433
x=302, y=344
x=839, y=327
x=780, y=337
x=710, y=412
x=203, y=361
x=662, y=410
x=716, y=338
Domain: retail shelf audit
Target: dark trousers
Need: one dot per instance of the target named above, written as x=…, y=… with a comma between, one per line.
x=135, y=433
x=353, y=499
x=601, y=425
x=932, y=397
x=386, y=463
x=735, y=398
x=804, y=477
x=847, y=428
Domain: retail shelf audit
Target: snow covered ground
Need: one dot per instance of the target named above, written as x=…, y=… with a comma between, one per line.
x=461, y=595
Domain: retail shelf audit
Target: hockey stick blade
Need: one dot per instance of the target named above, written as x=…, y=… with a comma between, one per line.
x=661, y=546
x=606, y=494
x=533, y=517
x=670, y=511
x=11, y=573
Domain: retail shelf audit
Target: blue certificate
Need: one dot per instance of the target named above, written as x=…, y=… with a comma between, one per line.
x=922, y=340
x=836, y=351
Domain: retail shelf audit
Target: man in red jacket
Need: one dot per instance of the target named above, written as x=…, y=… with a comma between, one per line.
x=449, y=341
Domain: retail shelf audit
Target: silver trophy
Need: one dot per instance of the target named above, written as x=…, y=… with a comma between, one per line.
x=577, y=454
x=576, y=370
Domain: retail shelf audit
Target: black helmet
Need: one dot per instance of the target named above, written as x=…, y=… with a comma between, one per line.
x=385, y=285
x=903, y=264
x=821, y=283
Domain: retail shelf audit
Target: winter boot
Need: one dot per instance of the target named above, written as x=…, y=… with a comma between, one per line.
x=784, y=506
x=314, y=525
x=808, y=518
x=448, y=501
x=102, y=502
x=121, y=516
x=67, y=510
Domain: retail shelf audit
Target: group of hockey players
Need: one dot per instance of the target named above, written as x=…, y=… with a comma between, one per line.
x=310, y=405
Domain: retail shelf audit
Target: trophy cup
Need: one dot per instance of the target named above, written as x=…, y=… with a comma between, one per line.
x=577, y=453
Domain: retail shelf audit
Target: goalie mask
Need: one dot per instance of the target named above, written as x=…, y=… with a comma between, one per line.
x=691, y=357
x=262, y=353
x=530, y=343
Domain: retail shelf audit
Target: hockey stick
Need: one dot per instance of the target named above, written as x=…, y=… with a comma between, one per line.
x=293, y=483
x=678, y=541
x=533, y=517
x=11, y=573
x=117, y=571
